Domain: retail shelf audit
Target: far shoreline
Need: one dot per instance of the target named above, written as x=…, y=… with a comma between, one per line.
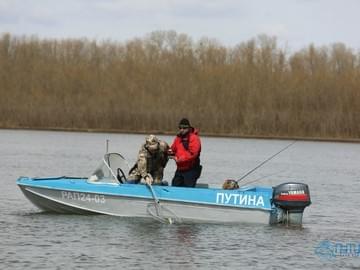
x=202, y=134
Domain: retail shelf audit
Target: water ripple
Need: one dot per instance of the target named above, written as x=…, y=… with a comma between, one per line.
x=34, y=240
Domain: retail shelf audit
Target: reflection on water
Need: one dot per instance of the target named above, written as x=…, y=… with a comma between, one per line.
x=34, y=240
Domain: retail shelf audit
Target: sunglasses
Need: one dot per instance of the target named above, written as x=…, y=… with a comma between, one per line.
x=183, y=127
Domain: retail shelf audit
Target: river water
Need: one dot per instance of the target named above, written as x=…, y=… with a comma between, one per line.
x=329, y=237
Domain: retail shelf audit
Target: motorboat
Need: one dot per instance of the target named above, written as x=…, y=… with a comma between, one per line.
x=107, y=192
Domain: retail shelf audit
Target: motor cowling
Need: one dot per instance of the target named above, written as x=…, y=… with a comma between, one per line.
x=292, y=197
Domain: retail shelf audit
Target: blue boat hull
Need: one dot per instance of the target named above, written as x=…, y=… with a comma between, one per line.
x=81, y=196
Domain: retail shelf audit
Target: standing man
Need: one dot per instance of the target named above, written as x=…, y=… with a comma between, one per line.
x=185, y=150
x=151, y=161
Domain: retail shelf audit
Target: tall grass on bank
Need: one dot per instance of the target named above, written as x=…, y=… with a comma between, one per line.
x=148, y=84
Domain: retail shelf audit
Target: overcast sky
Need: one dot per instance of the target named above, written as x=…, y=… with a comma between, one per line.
x=295, y=23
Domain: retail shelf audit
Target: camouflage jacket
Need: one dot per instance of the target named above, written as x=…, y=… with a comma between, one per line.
x=148, y=162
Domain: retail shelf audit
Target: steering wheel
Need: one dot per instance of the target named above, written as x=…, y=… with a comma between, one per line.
x=120, y=175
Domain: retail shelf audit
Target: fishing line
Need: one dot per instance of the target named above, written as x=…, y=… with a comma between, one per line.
x=262, y=163
x=262, y=177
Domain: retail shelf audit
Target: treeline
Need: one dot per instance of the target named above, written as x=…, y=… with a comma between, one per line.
x=148, y=84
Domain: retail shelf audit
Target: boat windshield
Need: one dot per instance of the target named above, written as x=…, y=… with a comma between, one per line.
x=113, y=169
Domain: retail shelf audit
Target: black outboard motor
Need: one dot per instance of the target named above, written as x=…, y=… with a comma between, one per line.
x=291, y=198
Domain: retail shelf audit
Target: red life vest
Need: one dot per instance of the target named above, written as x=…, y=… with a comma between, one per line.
x=187, y=150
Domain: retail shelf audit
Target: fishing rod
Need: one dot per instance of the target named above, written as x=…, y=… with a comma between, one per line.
x=262, y=163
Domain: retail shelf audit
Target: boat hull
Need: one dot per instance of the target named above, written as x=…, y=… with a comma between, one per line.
x=73, y=202
x=78, y=196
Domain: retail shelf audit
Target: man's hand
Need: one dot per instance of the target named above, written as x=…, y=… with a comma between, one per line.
x=170, y=152
x=148, y=179
x=171, y=155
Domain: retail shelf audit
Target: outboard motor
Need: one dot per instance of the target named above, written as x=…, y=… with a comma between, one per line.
x=291, y=198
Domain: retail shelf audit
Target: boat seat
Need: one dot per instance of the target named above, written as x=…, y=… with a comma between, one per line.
x=202, y=185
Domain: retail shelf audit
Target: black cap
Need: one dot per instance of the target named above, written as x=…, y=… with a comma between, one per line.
x=184, y=123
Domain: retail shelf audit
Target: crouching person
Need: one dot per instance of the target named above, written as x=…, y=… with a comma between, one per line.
x=151, y=161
